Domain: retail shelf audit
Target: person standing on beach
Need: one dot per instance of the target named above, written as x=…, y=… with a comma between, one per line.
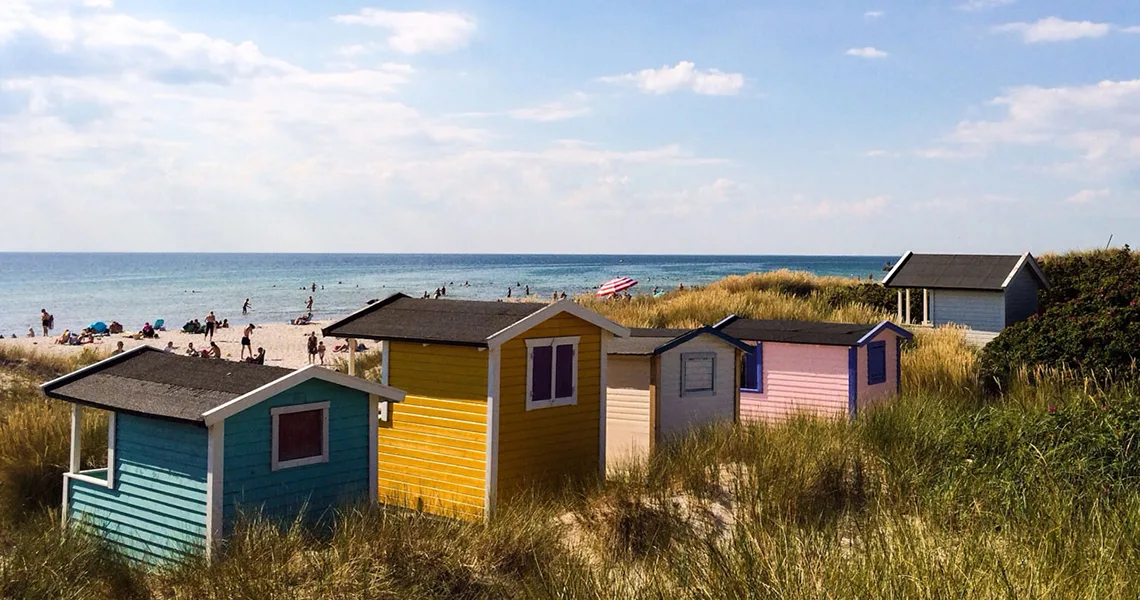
x=321, y=351
x=314, y=286
x=245, y=307
x=245, y=343
x=312, y=346
x=211, y=325
x=47, y=320
x=309, y=304
x=118, y=349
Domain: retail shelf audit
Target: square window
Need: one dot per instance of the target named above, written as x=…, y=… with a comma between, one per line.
x=698, y=374
x=552, y=372
x=300, y=435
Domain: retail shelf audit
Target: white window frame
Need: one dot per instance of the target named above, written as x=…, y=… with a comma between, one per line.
x=531, y=344
x=687, y=393
x=76, y=439
x=275, y=414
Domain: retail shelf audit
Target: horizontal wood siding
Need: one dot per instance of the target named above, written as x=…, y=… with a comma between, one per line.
x=981, y=311
x=680, y=414
x=547, y=446
x=799, y=378
x=433, y=454
x=1021, y=296
x=157, y=510
x=251, y=485
x=627, y=408
x=869, y=395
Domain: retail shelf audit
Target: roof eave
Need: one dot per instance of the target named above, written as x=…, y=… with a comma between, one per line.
x=360, y=312
x=93, y=368
x=895, y=269
x=706, y=330
x=550, y=311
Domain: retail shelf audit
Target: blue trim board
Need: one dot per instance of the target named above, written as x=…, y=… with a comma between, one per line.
x=880, y=327
x=684, y=337
x=898, y=366
x=852, y=381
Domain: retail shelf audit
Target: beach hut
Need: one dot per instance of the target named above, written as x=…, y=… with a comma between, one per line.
x=983, y=292
x=502, y=397
x=825, y=369
x=192, y=442
x=665, y=382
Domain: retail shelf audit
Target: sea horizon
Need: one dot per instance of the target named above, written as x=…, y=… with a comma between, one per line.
x=80, y=288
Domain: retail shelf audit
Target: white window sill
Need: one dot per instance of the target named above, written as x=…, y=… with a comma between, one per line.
x=86, y=477
x=571, y=401
x=300, y=462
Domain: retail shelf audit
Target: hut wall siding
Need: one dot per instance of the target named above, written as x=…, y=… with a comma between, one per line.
x=249, y=482
x=680, y=414
x=432, y=456
x=978, y=310
x=627, y=408
x=157, y=510
x=868, y=395
x=1021, y=296
x=799, y=378
x=549, y=445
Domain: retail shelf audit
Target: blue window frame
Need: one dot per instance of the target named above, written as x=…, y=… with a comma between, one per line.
x=876, y=363
x=752, y=373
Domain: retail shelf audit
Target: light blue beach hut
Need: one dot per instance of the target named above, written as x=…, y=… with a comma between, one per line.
x=192, y=441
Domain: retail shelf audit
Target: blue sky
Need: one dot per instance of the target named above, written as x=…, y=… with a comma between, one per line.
x=760, y=127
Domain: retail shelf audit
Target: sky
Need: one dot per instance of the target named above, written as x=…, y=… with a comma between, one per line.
x=594, y=126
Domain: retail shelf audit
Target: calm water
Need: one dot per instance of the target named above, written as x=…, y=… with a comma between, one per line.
x=133, y=288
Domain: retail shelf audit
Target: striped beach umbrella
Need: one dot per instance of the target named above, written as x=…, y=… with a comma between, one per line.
x=615, y=285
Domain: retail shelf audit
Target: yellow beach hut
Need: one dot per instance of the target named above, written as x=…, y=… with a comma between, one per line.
x=501, y=397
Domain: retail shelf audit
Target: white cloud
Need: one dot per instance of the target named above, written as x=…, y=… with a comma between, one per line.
x=1053, y=29
x=553, y=111
x=859, y=208
x=99, y=3
x=980, y=5
x=877, y=153
x=683, y=76
x=1133, y=29
x=418, y=31
x=867, y=52
x=873, y=15
x=1087, y=196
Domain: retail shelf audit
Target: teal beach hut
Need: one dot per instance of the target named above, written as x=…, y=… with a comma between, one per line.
x=191, y=442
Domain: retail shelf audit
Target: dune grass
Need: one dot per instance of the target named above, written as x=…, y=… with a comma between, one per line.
x=944, y=493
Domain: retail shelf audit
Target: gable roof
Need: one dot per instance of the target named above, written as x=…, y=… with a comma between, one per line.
x=150, y=382
x=651, y=341
x=475, y=323
x=985, y=272
x=804, y=332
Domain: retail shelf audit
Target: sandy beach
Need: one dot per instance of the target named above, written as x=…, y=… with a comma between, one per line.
x=285, y=344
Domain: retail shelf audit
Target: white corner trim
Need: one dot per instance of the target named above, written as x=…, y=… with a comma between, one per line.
x=385, y=407
x=554, y=401
x=890, y=274
x=490, y=494
x=275, y=413
x=66, y=508
x=111, y=449
x=219, y=413
x=374, y=447
x=86, y=477
x=215, y=467
x=550, y=311
x=76, y=438
x=602, y=397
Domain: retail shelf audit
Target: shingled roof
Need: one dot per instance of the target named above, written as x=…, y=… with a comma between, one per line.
x=650, y=341
x=802, y=332
x=457, y=322
x=984, y=272
x=150, y=382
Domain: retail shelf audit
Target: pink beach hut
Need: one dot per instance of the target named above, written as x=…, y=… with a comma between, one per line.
x=823, y=369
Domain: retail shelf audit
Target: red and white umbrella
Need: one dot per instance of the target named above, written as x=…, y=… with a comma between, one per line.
x=615, y=285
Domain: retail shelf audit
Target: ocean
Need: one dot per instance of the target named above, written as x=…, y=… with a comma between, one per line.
x=135, y=288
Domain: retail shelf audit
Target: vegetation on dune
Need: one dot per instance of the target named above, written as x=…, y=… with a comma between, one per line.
x=1089, y=321
x=947, y=492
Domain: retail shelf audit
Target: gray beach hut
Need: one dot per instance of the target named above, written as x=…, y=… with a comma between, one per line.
x=984, y=292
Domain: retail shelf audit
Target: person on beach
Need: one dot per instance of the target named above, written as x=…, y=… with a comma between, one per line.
x=309, y=304
x=245, y=343
x=314, y=286
x=260, y=360
x=312, y=346
x=31, y=332
x=245, y=307
x=47, y=320
x=118, y=349
x=190, y=351
x=528, y=290
x=211, y=324
x=169, y=349
x=508, y=292
x=321, y=351
x=214, y=350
